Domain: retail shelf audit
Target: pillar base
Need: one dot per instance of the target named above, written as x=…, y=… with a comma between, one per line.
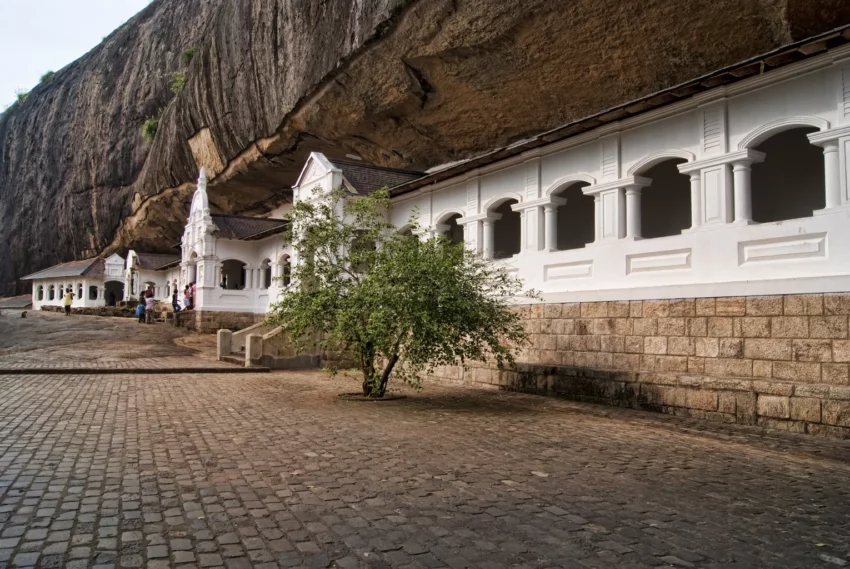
x=744, y=222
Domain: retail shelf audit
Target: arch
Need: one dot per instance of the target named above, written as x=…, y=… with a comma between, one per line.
x=494, y=203
x=80, y=291
x=451, y=229
x=113, y=292
x=51, y=292
x=790, y=183
x=575, y=221
x=647, y=162
x=92, y=292
x=233, y=274
x=285, y=267
x=266, y=271
x=39, y=292
x=767, y=130
x=563, y=183
x=444, y=215
x=665, y=205
x=507, y=230
x=406, y=230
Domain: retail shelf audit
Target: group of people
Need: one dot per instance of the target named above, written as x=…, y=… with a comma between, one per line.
x=147, y=304
x=188, y=298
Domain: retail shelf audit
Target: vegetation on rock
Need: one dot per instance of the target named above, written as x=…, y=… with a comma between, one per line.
x=150, y=128
x=188, y=56
x=399, y=305
x=47, y=77
x=178, y=81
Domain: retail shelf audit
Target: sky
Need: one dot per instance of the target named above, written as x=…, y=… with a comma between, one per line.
x=37, y=36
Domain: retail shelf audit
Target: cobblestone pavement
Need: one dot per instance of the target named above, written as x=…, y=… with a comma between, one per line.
x=46, y=340
x=273, y=470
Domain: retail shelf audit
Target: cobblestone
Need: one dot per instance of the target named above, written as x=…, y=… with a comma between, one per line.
x=273, y=470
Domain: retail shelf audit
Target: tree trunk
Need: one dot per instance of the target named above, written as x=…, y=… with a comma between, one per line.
x=385, y=377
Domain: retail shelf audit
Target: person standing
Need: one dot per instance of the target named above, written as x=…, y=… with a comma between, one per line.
x=175, y=304
x=150, y=306
x=68, y=299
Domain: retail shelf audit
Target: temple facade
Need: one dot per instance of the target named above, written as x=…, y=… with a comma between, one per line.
x=95, y=282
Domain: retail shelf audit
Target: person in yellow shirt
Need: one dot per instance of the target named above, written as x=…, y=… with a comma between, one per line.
x=68, y=300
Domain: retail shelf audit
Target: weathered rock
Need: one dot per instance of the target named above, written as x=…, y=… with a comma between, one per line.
x=400, y=82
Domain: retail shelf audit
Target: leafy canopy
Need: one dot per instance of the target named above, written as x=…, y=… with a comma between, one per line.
x=399, y=305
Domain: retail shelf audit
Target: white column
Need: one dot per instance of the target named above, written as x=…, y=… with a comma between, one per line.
x=550, y=211
x=831, y=164
x=597, y=218
x=248, y=278
x=489, y=238
x=743, y=193
x=633, y=212
x=696, y=199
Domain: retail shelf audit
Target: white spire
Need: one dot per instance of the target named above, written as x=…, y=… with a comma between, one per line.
x=202, y=180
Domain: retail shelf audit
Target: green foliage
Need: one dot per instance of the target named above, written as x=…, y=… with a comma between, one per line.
x=188, y=56
x=400, y=305
x=178, y=81
x=150, y=128
x=47, y=77
x=21, y=95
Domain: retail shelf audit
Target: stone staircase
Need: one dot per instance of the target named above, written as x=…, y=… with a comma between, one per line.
x=262, y=346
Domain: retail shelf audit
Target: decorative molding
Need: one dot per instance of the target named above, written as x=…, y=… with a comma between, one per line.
x=611, y=157
x=573, y=270
x=648, y=162
x=713, y=129
x=472, y=194
x=827, y=136
x=532, y=178
x=747, y=155
x=767, y=130
x=445, y=214
x=616, y=184
x=844, y=95
x=544, y=201
x=566, y=181
x=658, y=261
x=495, y=202
x=782, y=248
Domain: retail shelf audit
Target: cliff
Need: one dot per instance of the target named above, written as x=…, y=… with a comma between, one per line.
x=406, y=83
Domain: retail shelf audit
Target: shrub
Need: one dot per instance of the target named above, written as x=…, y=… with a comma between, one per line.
x=21, y=95
x=47, y=77
x=188, y=56
x=150, y=128
x=399, y=305
x=178, y=81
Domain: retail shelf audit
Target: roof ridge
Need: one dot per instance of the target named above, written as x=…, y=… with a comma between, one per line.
x=375, y=166
x=246, y=217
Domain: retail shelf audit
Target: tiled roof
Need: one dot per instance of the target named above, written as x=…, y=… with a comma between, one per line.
x=87, y=267
x=20, y=302
x=242, y=228
x=366, y=178
x=154, y=261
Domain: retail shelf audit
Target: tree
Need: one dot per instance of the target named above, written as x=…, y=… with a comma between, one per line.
x=399, y=305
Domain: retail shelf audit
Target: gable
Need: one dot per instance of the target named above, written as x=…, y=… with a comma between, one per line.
x=317, y=166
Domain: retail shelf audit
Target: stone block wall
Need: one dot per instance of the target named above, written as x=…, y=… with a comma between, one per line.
x=209, y=322
x=777, y=361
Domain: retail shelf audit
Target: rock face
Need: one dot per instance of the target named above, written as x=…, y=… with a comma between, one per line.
x=409, y=83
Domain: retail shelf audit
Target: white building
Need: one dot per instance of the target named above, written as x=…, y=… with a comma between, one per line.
x=95, y=282
x=151, y=271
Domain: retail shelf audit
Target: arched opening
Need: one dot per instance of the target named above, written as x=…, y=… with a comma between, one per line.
x=92, y=292
x=233, y=275
x=452, y=230
x=406, y=231
x=285, y=271
x=39, y=292
x=576, y=219
x=150, y=287
x=80, y=291
x=167, y=289
x=193, y=268
x=665, y=206
x=113, y=292
x=507, y=231
x=51, y=292
x=789, y=184
x=266, y=267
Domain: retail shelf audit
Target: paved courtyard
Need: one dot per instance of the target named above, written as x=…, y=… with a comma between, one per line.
x=273, y=470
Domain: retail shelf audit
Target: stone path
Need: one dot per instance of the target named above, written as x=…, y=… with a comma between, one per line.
x=273, y=470
x=49, y=341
